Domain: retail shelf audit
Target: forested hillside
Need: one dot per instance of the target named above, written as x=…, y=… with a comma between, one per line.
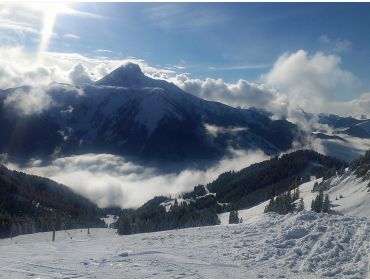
x=263, y=180
x=361, y=166
x=30, y=204
x=230, y=191
x=153, y=216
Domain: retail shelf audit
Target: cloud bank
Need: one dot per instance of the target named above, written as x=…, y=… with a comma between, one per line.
x=296, y=80
x=111, y=180
x=19, y=67
x=240, y=94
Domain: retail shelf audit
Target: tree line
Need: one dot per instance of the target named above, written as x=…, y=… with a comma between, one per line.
x=153, y=216
x=30, y=204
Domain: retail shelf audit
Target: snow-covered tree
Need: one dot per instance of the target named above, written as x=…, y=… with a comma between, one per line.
x=300, y=206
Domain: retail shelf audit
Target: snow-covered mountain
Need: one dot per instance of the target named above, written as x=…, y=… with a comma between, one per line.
x=128, y=113
x=342, y=137
x=346, y=125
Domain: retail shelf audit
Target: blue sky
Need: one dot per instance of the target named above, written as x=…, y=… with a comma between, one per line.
x=219, y=35
x=231, y=41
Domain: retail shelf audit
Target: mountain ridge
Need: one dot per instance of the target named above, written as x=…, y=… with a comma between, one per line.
x=159, y=122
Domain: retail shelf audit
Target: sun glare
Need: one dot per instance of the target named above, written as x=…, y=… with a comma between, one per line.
x=50, y=12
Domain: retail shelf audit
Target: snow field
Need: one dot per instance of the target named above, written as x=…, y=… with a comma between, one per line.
x=303, y=245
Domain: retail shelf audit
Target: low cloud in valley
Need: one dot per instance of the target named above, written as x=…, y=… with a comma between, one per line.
x=111, y=180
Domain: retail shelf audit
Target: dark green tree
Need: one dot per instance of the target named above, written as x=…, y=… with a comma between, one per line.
x=326, y=204
x=300, y=206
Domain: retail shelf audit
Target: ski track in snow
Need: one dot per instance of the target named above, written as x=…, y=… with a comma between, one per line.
x=303, y=245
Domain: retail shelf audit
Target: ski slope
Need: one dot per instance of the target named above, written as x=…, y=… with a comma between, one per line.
x=303, y=245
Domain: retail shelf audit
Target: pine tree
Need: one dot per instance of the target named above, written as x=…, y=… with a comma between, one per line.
x=300, y=206
x=236, y=217
x=270, y=206
x=297, y=194
x=318, y=203
x=283, y=204
x=233, y=217
x=326, y=204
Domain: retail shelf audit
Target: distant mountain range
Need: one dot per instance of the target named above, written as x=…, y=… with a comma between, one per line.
x=127, y=113
x=347, y=125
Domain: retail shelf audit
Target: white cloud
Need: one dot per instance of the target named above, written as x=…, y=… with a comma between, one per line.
x=358, y=107
x=27, y=102
x=240, y=94
x=103, y=51
x=112, y=180
x=32, y=10
x=71, y=36
x=296, y=81
x=214, y=130
x=173, y=16
x=17, y=26
x=239, y=67
x=342, y=45
x=79, y=75
x=324, y=39
x=337, y=45
x=308, y=80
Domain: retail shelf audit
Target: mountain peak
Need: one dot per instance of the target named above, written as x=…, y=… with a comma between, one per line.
x=128, y=75
x=130, y=68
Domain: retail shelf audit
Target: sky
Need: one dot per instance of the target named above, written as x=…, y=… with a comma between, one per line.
x=313, y=56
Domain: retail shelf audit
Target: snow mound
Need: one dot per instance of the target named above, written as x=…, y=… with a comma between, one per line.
x=296, y=233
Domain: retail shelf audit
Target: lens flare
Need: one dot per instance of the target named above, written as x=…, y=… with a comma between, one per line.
x=50, y=12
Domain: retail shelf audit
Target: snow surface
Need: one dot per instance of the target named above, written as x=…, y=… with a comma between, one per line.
x=304, y=245
x=110, y=219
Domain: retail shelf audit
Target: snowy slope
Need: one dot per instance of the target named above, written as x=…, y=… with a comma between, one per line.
x=355, y=194
x=349, y=195
x=305, y=192
x=305, y=245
